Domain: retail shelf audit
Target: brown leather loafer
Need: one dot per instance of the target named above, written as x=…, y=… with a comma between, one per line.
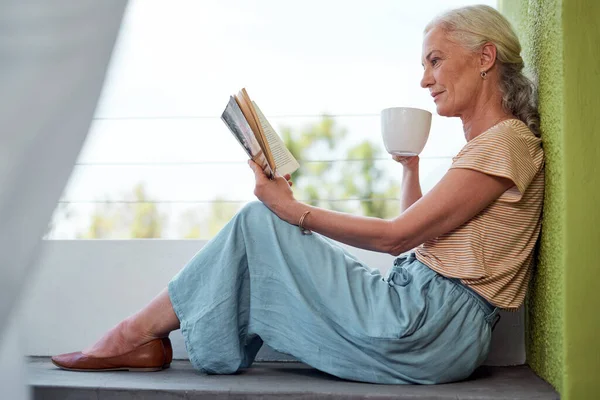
x=148, y=357
x=168, y=351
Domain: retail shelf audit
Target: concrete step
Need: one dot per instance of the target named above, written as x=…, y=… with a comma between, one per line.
x=271, y=381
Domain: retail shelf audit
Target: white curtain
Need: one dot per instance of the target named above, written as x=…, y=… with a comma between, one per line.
x=53, y=58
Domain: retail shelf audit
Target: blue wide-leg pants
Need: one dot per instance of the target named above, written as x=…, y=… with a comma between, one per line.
x=260, y=280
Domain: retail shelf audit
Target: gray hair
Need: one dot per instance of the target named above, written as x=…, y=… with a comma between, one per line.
x=472, y=27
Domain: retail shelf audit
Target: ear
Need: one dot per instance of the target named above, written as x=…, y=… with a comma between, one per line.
x=488, y=56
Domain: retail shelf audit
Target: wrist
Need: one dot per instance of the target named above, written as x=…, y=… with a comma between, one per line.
x=291, y=212
x=411, y=170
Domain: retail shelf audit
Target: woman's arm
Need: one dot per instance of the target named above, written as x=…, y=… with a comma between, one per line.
x=458, y=197
x=411, y=187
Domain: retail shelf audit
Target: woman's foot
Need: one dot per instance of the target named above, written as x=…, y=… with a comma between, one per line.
x=140, y=342
x=154, y=321
x=148, y=357
x=121, y=339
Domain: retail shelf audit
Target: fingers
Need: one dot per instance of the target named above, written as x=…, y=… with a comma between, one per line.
x=259, y=174
x=404, y=159
x=288, y=178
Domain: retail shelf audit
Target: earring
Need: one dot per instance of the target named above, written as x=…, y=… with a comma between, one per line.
x=483, y=75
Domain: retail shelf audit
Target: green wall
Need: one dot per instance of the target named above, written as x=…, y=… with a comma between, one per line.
x=581, y=22
x=561, y=41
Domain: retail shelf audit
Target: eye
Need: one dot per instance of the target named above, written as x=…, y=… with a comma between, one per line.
x=434, y=61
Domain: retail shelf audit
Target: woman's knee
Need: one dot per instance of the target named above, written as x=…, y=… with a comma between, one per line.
x=256, y=210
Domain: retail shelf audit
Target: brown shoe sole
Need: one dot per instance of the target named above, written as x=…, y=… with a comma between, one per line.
x=153, y=369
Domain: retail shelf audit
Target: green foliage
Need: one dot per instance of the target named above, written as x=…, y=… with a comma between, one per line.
x=194, y=226
x=355, y=184
x=324, y=183
x=220, y=213
x=366, y=181
x=146, y=222
x=309, y=182
x=138, y=220
x=102, y=223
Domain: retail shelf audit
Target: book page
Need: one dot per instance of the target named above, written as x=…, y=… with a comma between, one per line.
x=239, y=127
x=285, y=163
x=247, y=108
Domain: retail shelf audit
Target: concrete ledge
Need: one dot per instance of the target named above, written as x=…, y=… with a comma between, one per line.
x=86, y=270
x=271, y=381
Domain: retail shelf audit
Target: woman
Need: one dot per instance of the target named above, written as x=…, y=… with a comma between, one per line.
x=263, y=279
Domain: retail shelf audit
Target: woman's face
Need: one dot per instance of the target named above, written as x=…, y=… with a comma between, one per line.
x=451, y=74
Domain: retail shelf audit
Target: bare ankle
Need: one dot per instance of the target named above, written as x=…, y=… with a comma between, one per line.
x=134, y=332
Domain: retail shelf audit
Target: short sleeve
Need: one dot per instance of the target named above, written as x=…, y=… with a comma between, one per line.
x=501, y=152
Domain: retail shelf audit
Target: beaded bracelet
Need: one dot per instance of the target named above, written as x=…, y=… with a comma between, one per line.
x=301, y=222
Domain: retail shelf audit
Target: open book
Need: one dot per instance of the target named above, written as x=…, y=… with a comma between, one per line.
x=262, y=144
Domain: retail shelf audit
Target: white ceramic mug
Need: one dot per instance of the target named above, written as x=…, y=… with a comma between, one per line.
x=405, y=130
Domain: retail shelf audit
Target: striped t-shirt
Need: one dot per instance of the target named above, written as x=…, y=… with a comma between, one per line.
x=492, y=253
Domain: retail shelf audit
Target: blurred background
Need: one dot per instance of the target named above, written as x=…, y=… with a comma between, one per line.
x=159, y=163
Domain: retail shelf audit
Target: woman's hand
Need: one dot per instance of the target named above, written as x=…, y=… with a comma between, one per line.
x=275, y=194
x=408, y=162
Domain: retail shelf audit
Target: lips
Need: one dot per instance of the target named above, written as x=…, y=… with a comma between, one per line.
x=436, y=94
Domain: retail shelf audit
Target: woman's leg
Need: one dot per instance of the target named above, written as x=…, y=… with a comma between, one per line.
x=158, y=317
x=260, y=280
x=153, y=321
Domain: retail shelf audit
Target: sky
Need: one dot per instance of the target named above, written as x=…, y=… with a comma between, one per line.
x=176, y=62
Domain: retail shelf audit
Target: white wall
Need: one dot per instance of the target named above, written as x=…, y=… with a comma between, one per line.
x=82, y=288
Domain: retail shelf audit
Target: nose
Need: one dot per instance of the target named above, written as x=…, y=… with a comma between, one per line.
x=427, y=79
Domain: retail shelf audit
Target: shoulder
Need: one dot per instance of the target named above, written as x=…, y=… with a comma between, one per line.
x=511, y=135
x=509, y=150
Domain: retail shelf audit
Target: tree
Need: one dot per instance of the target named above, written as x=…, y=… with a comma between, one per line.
x=194, y=224
x=325, y=183
x=147, y=222
x=103, y=223
x=334, y=184
x=356, y=183
x=190, y=224
x=310, y=181
x=138, y=219
x=365, y=181
x=221, y=212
